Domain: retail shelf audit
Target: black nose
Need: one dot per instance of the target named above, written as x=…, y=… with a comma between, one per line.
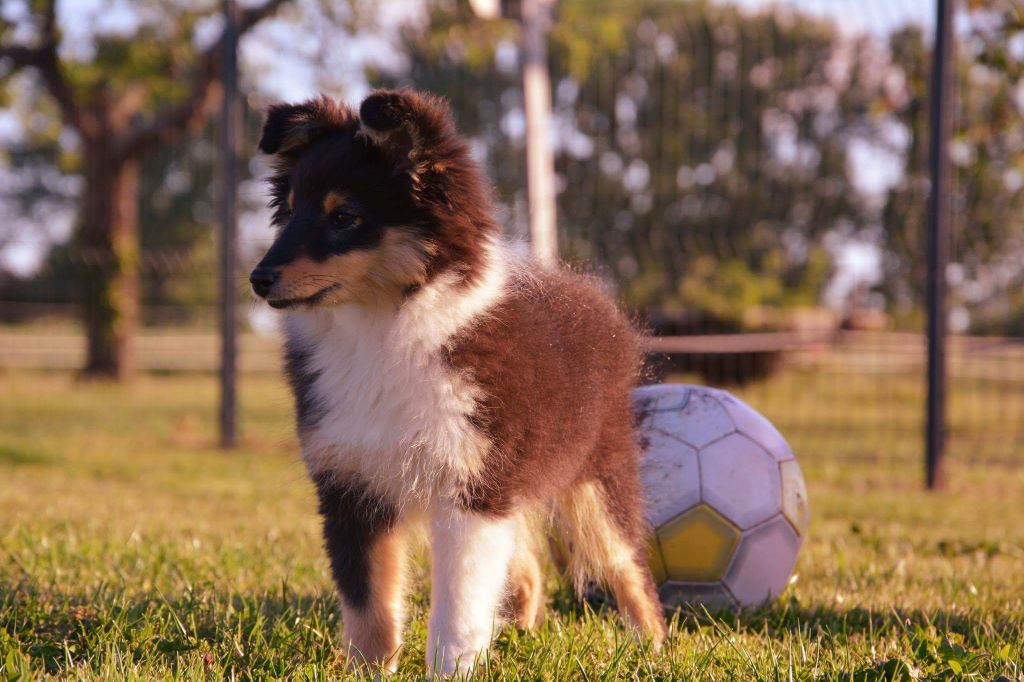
x=262, y=279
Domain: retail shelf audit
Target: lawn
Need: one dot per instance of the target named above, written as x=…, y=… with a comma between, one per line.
x=130, y=547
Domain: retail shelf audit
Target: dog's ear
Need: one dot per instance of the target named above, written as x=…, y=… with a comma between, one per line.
x=290, y=128
x=414, y=130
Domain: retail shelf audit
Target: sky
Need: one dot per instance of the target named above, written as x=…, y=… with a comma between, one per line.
x=868, y=16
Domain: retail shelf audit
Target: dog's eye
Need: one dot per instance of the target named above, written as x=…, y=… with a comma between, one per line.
x=345, y=220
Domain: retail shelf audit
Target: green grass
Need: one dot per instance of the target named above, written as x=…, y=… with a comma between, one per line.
x=130, y=547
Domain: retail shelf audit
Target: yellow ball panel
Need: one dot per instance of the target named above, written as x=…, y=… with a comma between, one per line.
x=794, y=496
x=697, y=546
x=656, y=562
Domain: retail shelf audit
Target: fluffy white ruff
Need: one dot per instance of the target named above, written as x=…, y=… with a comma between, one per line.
x=469, y=567
x=394, y=414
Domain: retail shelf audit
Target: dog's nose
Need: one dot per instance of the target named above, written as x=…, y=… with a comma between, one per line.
x=262, y=279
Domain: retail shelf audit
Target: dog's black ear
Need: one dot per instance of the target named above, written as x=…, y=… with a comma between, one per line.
x=284, y=128
x=413, y=129
x=290, y=128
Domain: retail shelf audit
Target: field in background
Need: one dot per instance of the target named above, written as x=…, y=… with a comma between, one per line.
x=131, y=546
x=858, y=397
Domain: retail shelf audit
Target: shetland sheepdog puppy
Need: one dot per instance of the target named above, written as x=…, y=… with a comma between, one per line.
x=444, y=383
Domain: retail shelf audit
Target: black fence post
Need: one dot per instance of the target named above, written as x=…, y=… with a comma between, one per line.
x=941, y=128
x=230, y=126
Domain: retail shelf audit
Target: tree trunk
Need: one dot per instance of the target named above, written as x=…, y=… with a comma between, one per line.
x=108, y=247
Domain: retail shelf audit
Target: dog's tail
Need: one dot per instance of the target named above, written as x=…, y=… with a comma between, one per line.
x=602, y=531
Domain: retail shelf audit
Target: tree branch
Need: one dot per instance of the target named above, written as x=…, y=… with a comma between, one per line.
x=21, y=56
x=44, y=58
x=175, y=120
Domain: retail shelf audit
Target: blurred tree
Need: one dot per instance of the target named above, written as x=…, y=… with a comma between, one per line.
x=711, y=158
x=988, y=157
x=177, y=249
x=140, y=93
x=702, y=149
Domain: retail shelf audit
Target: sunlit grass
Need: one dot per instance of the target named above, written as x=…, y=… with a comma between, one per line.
x=131, y=547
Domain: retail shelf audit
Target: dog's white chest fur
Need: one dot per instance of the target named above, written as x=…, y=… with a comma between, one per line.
x=390, y=410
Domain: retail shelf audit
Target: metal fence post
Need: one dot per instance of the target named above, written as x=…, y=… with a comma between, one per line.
x=230, y=126
x=941, y=127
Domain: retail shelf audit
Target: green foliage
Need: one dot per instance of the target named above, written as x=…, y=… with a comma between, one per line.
x=735, y=292
x=153, y=65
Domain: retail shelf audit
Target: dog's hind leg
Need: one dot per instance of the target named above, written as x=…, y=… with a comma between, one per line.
x=525, y=598
x=606, y=543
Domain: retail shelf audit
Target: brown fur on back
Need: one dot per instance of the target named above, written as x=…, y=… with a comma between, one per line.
x=555, y=362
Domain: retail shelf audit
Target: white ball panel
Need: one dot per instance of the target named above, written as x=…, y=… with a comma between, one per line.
x=670, y=477
x=701, y=420
x=660, y=397
x=740, y=480
x=753, y=424
x=763, y=562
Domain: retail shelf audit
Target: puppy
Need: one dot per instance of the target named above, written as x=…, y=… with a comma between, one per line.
x=442, y=382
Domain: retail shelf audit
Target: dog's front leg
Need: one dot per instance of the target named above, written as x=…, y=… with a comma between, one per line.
x=470, y=560
x=366, y=549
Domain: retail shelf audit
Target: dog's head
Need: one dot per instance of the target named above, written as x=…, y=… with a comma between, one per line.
x=369, y=207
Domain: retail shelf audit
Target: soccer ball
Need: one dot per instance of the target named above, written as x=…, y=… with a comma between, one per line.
x=725, y=497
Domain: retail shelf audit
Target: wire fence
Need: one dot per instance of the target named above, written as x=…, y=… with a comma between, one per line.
x=749, y=179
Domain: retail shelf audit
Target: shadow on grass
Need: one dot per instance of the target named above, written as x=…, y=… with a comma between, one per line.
x=785, y=617
x=932, y=644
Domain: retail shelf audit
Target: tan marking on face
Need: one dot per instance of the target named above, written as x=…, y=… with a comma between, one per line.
x=401, y=260
x=383, y=272
x=374, y=633
x=304, y=277
x=291, y=200
x=600, y=551
x=333, y=201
